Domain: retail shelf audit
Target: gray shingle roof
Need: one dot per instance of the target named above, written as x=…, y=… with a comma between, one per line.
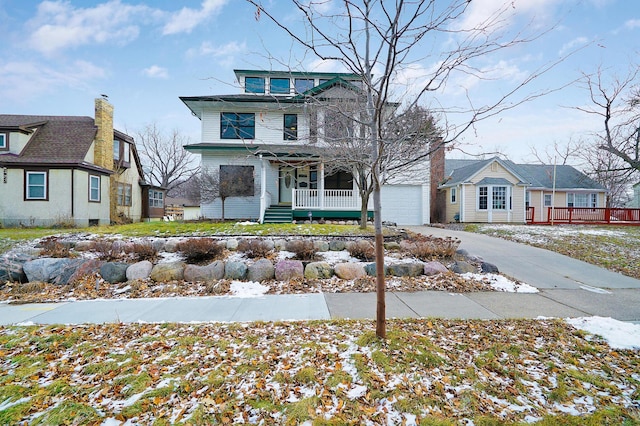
x=57, y=139
x=534, y=175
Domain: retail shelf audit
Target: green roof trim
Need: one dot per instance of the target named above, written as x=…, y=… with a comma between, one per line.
x=255, y=73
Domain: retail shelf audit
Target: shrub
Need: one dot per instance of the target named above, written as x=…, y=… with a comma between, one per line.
x=106, y=250
x=52, y=247
x=428, y=247
x=303, y=249
x=142, y=251
x=198, y=250
x=362, y=249
x=255, y=248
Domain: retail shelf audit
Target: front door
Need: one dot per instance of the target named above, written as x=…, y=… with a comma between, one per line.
x=287, y=181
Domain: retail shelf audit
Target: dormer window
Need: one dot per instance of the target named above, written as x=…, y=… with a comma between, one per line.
x=4, y=141
x=279, y=86
x=254, y=84
x=121, y=153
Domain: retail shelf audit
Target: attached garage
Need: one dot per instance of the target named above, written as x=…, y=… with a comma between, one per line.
x=405, y=204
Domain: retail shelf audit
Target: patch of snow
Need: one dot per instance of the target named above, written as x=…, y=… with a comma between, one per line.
x=246, y=223
x=619, y=334
x=333, y=257
x=248, y=289
x=501, y=283
x=357, y=392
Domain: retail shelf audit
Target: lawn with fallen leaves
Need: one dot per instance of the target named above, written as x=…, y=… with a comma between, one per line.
x=431, y=372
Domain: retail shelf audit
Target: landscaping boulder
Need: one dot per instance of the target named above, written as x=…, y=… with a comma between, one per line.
x=321, y=245
x=349, y=270
x=171, y=245
x=392, y=245
x=261, y=270
x=462, y=267
x=84, y=245
x=406, y=269
x=209, y=273
x=489, y=268
x=235, y=270
x=88, y=268
x=114, y=272
x=434, y=268
x=11, y=267
x=159, y=245
x=370, y=269
x=280, y=244
x=232, y=244
x=337, y=245
x=318, y=270
x=139, y=271
x=169, y=271
x=288, y=269
x=51, y=270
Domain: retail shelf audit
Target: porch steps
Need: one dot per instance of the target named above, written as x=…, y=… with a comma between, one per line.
x=278, y=214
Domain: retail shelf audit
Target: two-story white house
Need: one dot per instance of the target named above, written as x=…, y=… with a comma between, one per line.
x=266, y=140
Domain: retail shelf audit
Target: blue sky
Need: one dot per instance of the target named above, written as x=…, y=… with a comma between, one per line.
x=57, y=56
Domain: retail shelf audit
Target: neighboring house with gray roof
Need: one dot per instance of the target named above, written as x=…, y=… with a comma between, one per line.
x=69, y=169
x=497, y=190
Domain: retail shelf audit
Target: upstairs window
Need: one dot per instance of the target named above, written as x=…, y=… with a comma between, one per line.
x=254, y=84
x=291, y=127
x=303, y=84
x=237, y=125
x=4, y=141
x=116, y=150
x=124, y=194
x=94, y=188
x=36, y=186
x=279, y=86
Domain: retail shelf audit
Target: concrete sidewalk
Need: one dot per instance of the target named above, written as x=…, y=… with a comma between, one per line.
x=623, y=305
x=568, y=288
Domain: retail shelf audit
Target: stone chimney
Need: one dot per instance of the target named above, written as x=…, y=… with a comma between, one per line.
x=103, y=146
x=438, y=197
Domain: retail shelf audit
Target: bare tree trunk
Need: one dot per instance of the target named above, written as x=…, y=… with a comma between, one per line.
x=364, y=213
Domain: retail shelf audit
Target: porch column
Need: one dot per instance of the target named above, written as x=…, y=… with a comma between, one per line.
x=321, y=186
x=263, y=187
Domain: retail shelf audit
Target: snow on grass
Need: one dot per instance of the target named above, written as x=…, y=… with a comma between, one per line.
x=501, y=283
x=619, y=334
x=248, y=289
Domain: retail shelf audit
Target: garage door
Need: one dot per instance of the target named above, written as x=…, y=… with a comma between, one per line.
x=404, y=204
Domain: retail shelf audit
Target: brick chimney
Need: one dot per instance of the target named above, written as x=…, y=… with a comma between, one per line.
x=103, y=146
x=438, y=197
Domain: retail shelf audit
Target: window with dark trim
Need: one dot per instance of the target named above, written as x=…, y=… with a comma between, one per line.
x=237, y=181
x=339, y=180
x=116, y=150
x=254, y=84
x=291, y=127
x=279, y=86
x=94, y=188
x=156, y=198
x=237, y=125
x=4, y=141
x=123, y=197
x=36, y=185
x=483, y=198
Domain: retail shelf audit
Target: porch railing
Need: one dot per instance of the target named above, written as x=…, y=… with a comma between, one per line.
x=329, y=199
x=593, y=215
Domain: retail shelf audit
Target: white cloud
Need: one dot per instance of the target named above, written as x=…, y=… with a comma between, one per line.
x=481, y=13
x=208, y=49
x=20, y=81
x=59, y=25
x=155, y=71
x=187, y=19
x=632, y=24
x=567, y=47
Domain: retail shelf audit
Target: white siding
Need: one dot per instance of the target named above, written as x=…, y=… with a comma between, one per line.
x=405, y=204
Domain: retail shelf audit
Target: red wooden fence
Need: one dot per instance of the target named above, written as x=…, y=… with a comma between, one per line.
x=595, y=215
